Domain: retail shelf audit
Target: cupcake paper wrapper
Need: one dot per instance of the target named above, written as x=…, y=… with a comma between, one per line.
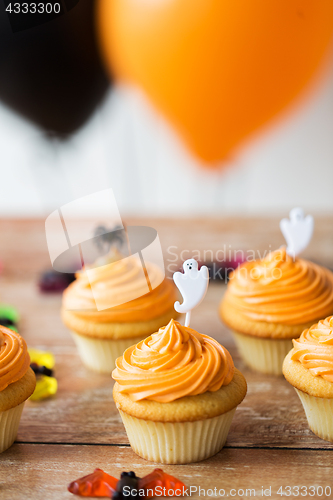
x=177, y=442
x=9, y=423
x=319, y=412
x=263, y=355
x=100, y=354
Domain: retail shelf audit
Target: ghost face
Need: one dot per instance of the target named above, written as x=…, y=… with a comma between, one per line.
x=190, y=265
x=296, y=214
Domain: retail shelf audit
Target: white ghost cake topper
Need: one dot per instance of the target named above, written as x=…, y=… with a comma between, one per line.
x=193, y=285
x=297, y=231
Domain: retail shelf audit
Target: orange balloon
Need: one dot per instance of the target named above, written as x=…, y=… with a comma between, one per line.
x=217, y=69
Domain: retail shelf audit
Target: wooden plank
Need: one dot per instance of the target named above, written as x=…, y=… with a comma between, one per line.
x=42, y=472
x=23, y=248
x=83, y=410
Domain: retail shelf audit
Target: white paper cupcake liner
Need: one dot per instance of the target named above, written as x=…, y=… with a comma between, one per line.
x=177, y=442
x=263, y=355
x=319, y=412
x=100, y=354
x=9, y=423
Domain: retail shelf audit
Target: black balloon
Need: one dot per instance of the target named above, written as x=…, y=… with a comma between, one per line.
x=50, y=69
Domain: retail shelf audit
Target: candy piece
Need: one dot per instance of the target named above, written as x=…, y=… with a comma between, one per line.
x=131, y=482
x=45, y=387
x=42, y=363
x=9, y=313
x=6, y=322
x=42, y=358
x=100, y=484
x=41, y=370
x=9, y=317
x=97, y=484
x=54, y=282
x=160, y=478
x=219, y=271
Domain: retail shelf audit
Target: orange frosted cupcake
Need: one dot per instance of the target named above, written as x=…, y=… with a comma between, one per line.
x=17, y=383
x=177, y=392
x=309, y=368
x=271, y=301
x=103, y=335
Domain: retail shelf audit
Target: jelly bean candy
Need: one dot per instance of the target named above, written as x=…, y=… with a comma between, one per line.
x=42, y=358
x=45, y=387
x=42, y=363
x=54, y=282
x=41, y=370
x=9, y=317
x=9, y=312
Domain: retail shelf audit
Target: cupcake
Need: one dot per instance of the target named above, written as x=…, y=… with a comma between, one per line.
x=17, y=383
x=103, y=334
x=309, y=368
x=271, y=301
x=177, y=392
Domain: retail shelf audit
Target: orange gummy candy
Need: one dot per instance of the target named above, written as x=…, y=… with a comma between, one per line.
x=97, y=484
x=160, y=478
x=101, y=484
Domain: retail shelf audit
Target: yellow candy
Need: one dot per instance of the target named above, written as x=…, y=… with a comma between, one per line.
x=42, y=358
x=45, y=387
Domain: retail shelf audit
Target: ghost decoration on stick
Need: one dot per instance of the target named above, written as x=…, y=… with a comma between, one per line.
x=297, y=231
x=192, y=285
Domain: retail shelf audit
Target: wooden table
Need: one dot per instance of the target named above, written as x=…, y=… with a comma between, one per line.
x=63, y=438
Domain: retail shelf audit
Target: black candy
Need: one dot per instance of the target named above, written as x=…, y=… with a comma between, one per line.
x=130, y=480
x=41, y=370
x=6, y=322
x=53, y=282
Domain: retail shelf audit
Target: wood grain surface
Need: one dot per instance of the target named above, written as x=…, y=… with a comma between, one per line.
x=65, y=437
x=42, y=472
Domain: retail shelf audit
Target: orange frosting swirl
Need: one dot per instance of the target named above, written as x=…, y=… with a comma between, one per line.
x=176, y=361
x=117, y=283
x=279, y=289
x=14, y=357
x=314, y=349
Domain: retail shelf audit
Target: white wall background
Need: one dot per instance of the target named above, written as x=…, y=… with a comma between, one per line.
x=128, y=147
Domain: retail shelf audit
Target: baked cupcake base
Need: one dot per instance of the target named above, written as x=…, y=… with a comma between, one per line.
x=319, y=413
x=177, y=442
x=100, y=355
x=9, y=424
x=262, y=345
x=263, y=355
x=12, y=401
x=115, y=331
x=100, y=344
x=186, y=430
x=316, y=395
